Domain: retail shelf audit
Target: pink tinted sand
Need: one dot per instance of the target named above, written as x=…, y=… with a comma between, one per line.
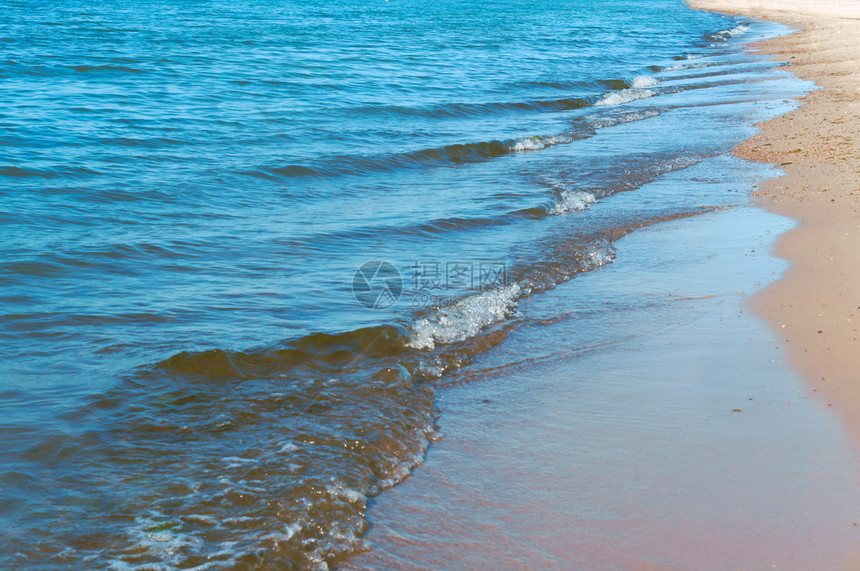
x=815, y=307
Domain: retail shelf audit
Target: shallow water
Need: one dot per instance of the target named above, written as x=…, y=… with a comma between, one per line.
x=198, y=368
x=650, y=422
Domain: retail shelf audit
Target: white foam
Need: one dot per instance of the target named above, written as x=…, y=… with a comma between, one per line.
x=623, y=96
x=680, y=66
x=537, y=143
x=644, y=81
x=629, y=117
x=348, y=494
x=467, y=317
x=289, y=447
x=571, y=200
x=464, y=318
x=432, y=369
x=601, y=256
x=237, y=519
x=737, y=30
x=730, y=33
x=286, y=535
x=400, y=471
x=238, y=460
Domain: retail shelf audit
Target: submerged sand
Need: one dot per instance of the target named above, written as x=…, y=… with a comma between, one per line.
x=815, y=307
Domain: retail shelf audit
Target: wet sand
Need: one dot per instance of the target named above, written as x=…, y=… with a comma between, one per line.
x=688, y=443
x=815, y=307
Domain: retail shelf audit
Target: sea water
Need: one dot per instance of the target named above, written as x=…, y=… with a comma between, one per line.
x=244, y=243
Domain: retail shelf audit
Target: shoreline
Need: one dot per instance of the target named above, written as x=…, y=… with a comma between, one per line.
x=613, y=452
x=815, y=305
x=667, y=441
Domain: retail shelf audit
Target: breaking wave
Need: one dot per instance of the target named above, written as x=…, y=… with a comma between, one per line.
x=623, y=96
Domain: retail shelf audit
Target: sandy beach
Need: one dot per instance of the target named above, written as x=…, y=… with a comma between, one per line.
x=815, y=307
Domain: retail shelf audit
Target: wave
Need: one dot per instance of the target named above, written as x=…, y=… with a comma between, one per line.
x=643, y=81
x=402, y=344
x=342, y=401
x=724, y=35
x=105, y=68
x=632, y=91
x=695, y=65
x=54, y=172
x=571, y=200
x=451, y=154
x=688, y=56
x=320, y=351
x=462, y=109
x=464, y=318
x=623, y=96
x=465, y=152
x=563, y=197
x=449, y=322
x=636, y=90
x=469, y=316
x=538, y=143
x=18, y=172
x=603, y=121
x=622, y=91
x=359, y=403
x=152, y=143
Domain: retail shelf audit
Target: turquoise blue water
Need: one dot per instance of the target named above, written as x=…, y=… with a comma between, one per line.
x=242, y=242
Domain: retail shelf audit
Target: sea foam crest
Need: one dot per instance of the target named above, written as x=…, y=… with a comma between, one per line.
x=724, y=35
x=537, y=143
x=464, y=318
x=629, y=117
x=570, y=200
x=737, y=30
x=643, y=81
x=623, y=96
x=680, y=66
x=467, y=317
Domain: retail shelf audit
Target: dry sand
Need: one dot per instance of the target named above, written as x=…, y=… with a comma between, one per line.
x=816, y=306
